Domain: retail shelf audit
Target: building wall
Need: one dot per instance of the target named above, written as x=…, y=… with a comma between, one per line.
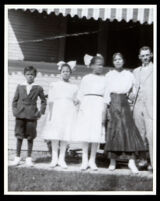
x=28, y=35
x=31, y=38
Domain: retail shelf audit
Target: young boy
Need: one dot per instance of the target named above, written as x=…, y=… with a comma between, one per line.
x=25, y=110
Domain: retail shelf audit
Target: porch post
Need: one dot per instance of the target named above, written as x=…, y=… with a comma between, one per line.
x=103, y=39
x=62, y=41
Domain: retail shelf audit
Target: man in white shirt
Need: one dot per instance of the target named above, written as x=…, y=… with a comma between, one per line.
x=143, y=107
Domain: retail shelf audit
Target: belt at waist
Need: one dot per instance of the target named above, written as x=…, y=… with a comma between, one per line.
x=93, y=95
x=118, y=94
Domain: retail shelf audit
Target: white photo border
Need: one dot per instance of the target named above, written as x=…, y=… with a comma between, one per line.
x=6, y=192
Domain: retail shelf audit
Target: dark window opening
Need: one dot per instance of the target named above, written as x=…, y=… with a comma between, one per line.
x=77, y=46
x=122, y=37
x=128, y=38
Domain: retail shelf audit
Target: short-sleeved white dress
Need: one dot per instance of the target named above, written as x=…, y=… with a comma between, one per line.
x=61, y=119
x=89, y=120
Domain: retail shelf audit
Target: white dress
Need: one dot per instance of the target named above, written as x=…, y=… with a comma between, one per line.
x=89, y=120
x=61, y=119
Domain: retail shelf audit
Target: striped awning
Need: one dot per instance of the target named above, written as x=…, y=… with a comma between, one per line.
x=142, y=15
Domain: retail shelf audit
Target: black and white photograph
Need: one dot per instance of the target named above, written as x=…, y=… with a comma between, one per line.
x=80, y=94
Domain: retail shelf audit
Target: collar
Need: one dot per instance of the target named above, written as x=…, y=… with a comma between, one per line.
x=62, y=81
x=26, y=84
x=149, y=65
x=119, y=70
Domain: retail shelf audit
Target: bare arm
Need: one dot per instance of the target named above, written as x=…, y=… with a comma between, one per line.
x=43, y=101
x=105, y=114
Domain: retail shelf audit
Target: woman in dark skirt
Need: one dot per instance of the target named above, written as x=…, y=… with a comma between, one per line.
x=123, y=139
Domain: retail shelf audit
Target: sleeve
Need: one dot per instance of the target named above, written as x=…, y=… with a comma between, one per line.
x=43, y=101
x=132, y=92
x=15, y=100
x=136, y=81
x=107, y=97
x=81, y=90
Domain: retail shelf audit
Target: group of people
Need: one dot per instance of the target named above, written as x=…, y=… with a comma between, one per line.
x=98, y=111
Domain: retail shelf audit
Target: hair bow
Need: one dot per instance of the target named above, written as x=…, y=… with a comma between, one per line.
x=72, y=64
x=88, y=58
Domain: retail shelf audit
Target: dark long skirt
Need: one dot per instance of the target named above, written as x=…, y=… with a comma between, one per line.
x=123, y=139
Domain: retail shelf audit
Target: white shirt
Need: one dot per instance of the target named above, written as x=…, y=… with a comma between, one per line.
x=118, y=82
x=28, y=86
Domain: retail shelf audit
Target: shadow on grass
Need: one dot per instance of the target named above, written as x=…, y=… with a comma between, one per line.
x=74, y=159
x=44, y=159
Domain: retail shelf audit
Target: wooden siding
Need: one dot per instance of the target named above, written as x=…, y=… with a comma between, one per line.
x=27, y=26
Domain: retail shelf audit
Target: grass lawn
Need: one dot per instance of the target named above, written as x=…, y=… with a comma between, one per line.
x=30, y=179
x=26, y=179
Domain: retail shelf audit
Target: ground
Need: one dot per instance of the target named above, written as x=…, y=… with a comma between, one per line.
x=43, y=178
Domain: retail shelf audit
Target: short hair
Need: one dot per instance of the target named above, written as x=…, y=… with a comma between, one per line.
x=97, y=57
x=30, y=68
x=66, y=65
x=119, y=54
x=145, y=48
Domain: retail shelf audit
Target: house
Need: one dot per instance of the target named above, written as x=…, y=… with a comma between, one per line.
x=42, y=37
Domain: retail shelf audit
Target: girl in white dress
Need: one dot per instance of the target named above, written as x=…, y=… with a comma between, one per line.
x=62, y=114
x=89, y=120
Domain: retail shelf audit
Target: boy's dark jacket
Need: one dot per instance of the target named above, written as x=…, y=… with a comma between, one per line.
x=25, y=106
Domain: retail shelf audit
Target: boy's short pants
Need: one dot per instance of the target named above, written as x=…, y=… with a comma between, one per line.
x=25, y=128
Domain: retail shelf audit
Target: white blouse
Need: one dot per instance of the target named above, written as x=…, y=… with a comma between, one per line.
x=61, y=90
x=118, y=82
x=91, y=84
